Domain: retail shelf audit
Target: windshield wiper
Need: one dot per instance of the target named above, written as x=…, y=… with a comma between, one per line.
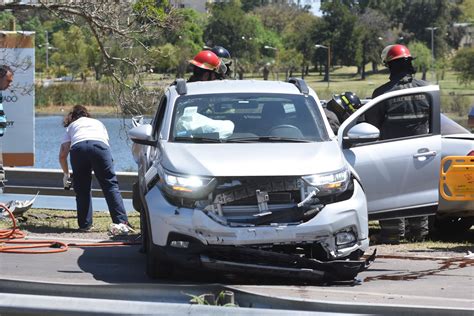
x=197, y=139
x=268, y=139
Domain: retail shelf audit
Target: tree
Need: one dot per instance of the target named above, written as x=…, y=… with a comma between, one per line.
x=122, y=31
x=338, y=29
x=290, y=60
x=467, y=9
x=71, y=51
x=230, y=27
x=277, y=17
x=249, y=5
x=6, y=20
x=373, y=25
x=463, y=63
x=297, y=35
x=422, y=56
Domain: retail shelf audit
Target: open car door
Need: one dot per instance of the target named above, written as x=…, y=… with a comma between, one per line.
x=394, y=144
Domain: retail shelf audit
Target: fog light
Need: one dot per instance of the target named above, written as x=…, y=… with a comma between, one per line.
x=343, y=238
x=179, y=244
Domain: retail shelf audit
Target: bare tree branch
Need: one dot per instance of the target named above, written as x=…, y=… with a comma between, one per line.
x=120, y=29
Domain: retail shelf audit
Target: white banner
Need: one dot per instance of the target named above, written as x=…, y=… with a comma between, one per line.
x=17, y=50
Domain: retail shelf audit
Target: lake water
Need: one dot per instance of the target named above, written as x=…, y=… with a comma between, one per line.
x=49, y=133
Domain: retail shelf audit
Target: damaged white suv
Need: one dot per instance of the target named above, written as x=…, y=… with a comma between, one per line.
x=247, y=176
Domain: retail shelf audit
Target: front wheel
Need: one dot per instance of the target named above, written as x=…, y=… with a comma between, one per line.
x=156, y=267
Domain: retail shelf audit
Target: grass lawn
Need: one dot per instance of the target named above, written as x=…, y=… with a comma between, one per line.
x=57, y=221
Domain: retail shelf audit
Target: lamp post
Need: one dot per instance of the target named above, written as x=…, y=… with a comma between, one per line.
x=432, y=29
x=328, y=48
x=47, y=51
x=276, y=56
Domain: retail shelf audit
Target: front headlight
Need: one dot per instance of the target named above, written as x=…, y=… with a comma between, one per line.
x=187, y=186
x=330, y=183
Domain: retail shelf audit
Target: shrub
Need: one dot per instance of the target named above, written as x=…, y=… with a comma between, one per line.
x=69, y=94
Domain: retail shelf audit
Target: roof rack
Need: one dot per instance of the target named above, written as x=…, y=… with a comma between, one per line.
x=180, y=84
x=300, y=84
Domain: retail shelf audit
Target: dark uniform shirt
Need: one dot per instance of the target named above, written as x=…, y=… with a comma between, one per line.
x=400, y=117
x=333, y=120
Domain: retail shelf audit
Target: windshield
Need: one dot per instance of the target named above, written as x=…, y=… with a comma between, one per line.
x=217, y=118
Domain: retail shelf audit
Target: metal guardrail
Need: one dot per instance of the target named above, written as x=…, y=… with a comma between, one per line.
x=50, y=182
x=38, y=298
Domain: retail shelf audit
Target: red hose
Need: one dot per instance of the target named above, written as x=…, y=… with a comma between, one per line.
x=7, y=237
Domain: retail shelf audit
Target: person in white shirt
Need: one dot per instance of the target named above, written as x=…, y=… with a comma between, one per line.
x=87, y=141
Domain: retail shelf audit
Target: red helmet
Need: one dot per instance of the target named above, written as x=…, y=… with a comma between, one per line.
x=393, y=52
x=206, y=59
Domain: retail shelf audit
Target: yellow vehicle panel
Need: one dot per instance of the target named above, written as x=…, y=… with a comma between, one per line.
x=457, y=178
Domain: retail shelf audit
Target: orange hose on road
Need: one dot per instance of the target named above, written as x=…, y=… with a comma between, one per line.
x=7, y=236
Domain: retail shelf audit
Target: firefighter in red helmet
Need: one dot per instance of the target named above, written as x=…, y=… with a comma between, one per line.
x=206, y=66
x=399, y=61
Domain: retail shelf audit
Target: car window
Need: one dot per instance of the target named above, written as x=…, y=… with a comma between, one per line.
x=158, y=119
x=252, y=116
x=402, y=116
x=449, y=127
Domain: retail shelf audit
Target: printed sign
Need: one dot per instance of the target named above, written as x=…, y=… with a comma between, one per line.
x=17, y=50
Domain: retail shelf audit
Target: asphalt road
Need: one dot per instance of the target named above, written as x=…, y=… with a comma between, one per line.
x=446, y=283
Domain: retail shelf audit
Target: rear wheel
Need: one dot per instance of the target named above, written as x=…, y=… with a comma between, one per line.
x=452, y=226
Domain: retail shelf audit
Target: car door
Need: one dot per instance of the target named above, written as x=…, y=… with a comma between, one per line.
x=399, y=170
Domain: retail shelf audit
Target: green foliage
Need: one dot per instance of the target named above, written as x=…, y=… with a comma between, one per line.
x=339, y=30
x=71, y=51
x=70, y=94
x=151, y=9
x=165, y=58
x=229, y=27
x=422, y=56
x=372, y=25
x=463, y=63
x=459, y=105
x=297, y=35
x=277, y=17
x=211, y=299
x=290, y=60
x=5, y=21
x=467, y=9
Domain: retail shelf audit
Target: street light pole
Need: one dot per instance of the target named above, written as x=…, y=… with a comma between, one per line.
x=276, y=57
x=432, y=29
x=328, y=48
x=47, y=51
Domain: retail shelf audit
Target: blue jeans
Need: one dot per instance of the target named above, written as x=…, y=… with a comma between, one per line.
x=95, y=155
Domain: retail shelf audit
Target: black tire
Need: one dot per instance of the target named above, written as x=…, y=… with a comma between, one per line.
x=156, y=268
x=452, y=226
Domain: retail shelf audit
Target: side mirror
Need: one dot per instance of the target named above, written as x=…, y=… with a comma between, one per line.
x=362, y=133
x=142, y=135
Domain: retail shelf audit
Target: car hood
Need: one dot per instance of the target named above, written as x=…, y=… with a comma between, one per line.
x=253, y=159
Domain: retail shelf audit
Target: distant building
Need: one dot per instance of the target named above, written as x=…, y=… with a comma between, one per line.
x=468, y=39
x=198, y=5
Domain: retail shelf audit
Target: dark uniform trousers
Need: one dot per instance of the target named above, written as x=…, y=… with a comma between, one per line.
x=95, y=155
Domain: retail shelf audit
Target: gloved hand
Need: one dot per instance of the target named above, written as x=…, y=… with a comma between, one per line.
x=67, y=182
